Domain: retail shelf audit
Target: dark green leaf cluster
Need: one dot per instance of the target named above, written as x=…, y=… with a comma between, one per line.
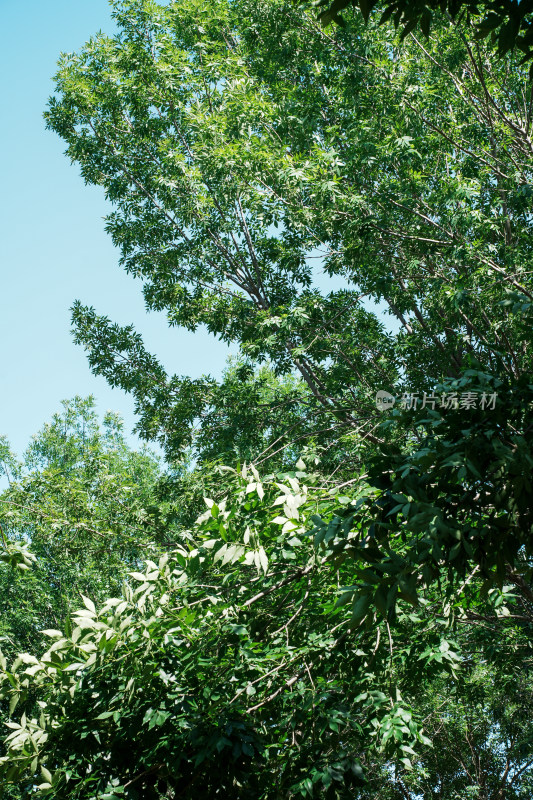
x=510, y=24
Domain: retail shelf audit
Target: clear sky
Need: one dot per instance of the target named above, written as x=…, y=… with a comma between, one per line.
x=53, y=247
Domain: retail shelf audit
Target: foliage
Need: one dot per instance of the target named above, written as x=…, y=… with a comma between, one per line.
x=315, y=632
x=460, y=498
x=414, y=180
x=80, y=503
x=509, y=24
x=233, y=667
x=244, y=154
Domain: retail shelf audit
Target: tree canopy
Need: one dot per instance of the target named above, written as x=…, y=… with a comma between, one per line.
x=509, y=24
x=247, y=162
x=241, y=154
x=231, y=668
x=79, y=502
x=353, y=595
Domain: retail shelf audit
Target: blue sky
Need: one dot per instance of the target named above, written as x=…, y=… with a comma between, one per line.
x=53, y=248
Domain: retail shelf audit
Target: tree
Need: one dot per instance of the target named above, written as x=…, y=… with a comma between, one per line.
x=337, y=140
x=205, y=140
x=308, y=618
x=80, y=503
x=232, y=668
